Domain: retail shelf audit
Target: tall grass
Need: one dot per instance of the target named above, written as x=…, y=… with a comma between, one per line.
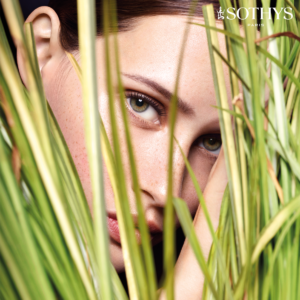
x=51, y=247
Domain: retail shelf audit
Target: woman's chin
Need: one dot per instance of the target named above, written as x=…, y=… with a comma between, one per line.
x=116, y=256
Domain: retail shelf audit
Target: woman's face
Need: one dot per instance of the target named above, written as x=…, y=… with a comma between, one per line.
x=149, y=58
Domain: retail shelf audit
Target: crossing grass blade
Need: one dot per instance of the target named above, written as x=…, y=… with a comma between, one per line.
x=183, y=219
x=51, y=248
x=135, y=272
x=265, y=216
x=226, y=131
x=169, y=221
x=108, y=157
x=87, y=32
x=17, y=214
x=143, y=227
x=50, y=179
x=274, y=225
x=187, y=225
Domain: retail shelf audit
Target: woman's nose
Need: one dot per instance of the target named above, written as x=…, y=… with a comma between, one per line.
x=153, y=171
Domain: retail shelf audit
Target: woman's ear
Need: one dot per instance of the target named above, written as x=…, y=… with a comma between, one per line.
x=46, y=28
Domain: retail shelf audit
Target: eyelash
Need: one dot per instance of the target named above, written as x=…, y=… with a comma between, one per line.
x=158, y=107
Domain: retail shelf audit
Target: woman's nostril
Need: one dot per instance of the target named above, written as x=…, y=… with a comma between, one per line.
x=148, y=194
x=154, y=198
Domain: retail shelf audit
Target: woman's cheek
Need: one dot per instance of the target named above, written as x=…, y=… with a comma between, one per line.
x=201, y=165
x=65, y=99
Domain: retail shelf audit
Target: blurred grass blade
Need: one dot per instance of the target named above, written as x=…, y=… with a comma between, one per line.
x=48, y=171
x=225, y=32
x=51, y=247
x=187, y=225
x=269, y=232
x=226, y=129
x=87, y=33
x=238, y=50
x=279, y=243
x=110, y=165
x=169, y=221
x=143, y=227
x=202, y=203
x=231, y=68
x=136, y=276
x=43, y=289
x=283, y=68
x=75, y=65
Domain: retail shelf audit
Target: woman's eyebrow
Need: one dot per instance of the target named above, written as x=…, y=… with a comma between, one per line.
x=183, y=106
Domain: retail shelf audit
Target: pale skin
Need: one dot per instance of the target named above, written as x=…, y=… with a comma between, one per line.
x=148, y=58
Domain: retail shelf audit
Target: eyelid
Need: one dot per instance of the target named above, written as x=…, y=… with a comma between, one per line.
x=207, y=153
x=154, y=103
x=216, y=135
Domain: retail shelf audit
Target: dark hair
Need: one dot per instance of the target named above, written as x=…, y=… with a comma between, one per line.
x=127, y=12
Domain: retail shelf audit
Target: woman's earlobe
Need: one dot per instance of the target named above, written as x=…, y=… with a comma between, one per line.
x=46, y=26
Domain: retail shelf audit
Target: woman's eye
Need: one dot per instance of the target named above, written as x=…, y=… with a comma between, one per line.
x=143, y=108
x=211, y=143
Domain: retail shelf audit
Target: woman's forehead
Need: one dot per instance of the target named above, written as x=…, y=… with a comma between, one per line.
x=155, y=44
x=152, y=49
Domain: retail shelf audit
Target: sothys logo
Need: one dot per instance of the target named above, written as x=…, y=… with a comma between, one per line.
x=243, y=13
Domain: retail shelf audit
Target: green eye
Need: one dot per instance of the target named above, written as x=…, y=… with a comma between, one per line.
x=211, y=143
x=143, y=107
x=138, y=105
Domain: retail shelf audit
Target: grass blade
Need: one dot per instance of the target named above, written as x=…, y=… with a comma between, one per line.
x=87, y=33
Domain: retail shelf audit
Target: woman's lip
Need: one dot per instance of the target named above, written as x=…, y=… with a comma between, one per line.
x=114, y=231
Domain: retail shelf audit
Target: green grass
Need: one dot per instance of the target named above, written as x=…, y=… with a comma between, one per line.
x=51, y=247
